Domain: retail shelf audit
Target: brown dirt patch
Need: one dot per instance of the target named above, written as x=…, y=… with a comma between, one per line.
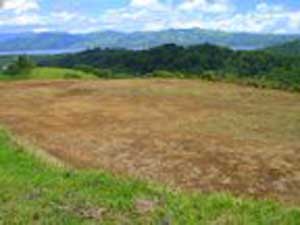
x=191, y=134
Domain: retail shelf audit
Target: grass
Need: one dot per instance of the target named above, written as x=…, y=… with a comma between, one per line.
x=190, y=134
x=48, y=73
x=58, y=73
x=34, y=192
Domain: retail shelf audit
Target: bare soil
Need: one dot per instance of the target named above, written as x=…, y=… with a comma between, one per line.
x=190, y=134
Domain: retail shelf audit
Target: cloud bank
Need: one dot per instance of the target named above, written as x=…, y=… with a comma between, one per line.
x=19, y=6
x=206, y=14
x=151, y=15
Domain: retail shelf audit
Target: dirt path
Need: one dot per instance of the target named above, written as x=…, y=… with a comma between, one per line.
x=191, y=134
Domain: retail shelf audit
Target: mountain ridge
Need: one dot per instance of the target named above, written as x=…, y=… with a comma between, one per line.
x=139, y=39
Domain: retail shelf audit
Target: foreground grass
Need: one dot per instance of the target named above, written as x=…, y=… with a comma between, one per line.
x=33, y=192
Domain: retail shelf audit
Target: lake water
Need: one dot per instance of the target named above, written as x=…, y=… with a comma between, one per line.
x=64, y=51
x=41, y=52
x=246, y=48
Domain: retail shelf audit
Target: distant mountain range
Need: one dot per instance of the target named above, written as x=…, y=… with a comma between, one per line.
x=139, y=40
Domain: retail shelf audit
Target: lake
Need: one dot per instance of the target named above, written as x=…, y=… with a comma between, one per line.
x=41, y=52
x=64, y=51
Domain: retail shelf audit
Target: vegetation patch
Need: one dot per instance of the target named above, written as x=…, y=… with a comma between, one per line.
x=192, y=134
x=33, y=192
x=260, y=68
x=48, y=74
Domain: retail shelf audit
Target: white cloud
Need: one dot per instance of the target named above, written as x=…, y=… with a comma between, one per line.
x=42, y=30
x=27, y=14
x=270, y=18
x=20, y=13
x=149, y=15
x=154, y=4
x=22, y=20
x=216, y=6
x=27, y=19
x=74, y=22
x=19, y=6
x=206, y=14
x=64, y=16
x=157, y=15
x=294, y=19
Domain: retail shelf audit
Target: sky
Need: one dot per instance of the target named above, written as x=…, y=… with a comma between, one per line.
x=83, y=16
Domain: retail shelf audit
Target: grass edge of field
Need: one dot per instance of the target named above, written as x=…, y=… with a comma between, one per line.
x=20, y=168
x=60, y=73
x=49, y=73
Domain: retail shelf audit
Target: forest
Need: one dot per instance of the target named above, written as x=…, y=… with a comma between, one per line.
x=257, y=68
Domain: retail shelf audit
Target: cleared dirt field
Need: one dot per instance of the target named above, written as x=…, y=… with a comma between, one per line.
x=190, y=134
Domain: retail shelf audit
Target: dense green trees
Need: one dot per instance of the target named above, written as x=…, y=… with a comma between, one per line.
x=288, y=49
x=23, y=65
x=204, y=61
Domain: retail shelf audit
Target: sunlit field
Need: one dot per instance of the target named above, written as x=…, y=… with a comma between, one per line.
x=188, y=134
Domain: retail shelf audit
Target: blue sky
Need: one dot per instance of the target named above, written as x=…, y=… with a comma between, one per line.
x=82, y=16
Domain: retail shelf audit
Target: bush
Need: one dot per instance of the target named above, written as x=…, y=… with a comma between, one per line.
x=104, y=73
x=72, y=76
x=210, y=76
x=163, y=74
x=23, y=65
x=231, y=78
x=101, y=73
x=294, y=87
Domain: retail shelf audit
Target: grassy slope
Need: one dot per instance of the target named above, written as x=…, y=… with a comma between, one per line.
x=58, y=73
x=32, y=192
x=51, y=73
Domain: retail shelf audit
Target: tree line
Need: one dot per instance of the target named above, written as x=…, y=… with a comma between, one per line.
x=258, y=68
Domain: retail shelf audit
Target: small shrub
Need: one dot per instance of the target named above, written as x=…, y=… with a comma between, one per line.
x=210, y=76
x=101, y=73
x=295, y=88
x=230, y=78
x=163, y=74
x=23, y=65
x=72, y=76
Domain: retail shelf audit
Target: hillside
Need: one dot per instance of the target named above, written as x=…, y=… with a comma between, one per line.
x=50, y=74
x=216, y=138
x=193, y=59
x=203, y=61
x=35, y=192
x=288, y=49
x=259, y=68
x=138, y=40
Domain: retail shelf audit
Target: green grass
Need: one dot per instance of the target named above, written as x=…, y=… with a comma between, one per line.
x=47, y=73
x=35, y=192
x=59, y=73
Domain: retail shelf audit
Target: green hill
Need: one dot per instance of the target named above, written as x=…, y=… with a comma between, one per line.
x=58, y=73
x=258, y=68
x=288, y=49
x=48, y=73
